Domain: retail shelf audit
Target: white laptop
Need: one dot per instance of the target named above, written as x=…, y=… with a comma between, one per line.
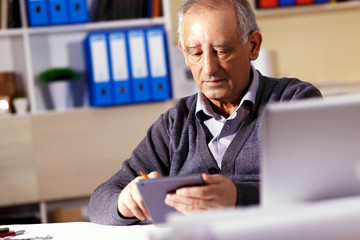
x=310, y=150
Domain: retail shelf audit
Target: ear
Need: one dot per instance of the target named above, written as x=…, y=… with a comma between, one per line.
x=254, y=40
x=182, y=48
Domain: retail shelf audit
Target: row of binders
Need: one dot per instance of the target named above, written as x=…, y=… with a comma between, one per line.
x=107, y=10
x=56, y=12
x=127, y=66
x=260, y=4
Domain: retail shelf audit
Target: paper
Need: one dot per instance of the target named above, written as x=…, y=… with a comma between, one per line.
x=82, y=230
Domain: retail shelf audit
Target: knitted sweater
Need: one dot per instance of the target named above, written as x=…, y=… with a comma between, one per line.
x=176, y=145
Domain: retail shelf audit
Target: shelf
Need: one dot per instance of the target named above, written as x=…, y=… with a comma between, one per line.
x=106, y=25
x=324, y=7
x=91, y=26
x=11, y=32
x=27, y=51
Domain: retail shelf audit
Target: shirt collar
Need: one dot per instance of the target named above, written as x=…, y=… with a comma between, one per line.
x=203, y=104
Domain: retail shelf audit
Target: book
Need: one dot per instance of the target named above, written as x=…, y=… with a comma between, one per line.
x=156, y=8
x=14, y=20
x=101, y=10
x=4, y=14
x=7, y=84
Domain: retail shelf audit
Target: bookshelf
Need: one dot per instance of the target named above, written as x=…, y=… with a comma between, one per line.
x=310, y=8
x=29, y=50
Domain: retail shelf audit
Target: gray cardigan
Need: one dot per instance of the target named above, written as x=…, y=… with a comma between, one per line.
x=176, y=145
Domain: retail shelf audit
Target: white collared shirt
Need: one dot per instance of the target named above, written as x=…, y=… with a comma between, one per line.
x=224, y=129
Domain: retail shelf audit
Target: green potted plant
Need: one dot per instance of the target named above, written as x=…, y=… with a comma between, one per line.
x=57, y=80
x=57, y=74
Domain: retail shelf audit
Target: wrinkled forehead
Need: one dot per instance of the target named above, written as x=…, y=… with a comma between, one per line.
x=220, y=18
x=207, y=5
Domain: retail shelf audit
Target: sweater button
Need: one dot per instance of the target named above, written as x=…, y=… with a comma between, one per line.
x=213, y=170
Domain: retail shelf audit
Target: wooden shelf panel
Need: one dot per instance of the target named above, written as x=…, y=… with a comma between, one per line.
x=63, y=155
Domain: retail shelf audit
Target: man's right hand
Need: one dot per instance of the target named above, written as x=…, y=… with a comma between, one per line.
x=130, y=202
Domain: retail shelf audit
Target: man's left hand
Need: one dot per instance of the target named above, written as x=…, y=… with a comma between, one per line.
x=219, y=192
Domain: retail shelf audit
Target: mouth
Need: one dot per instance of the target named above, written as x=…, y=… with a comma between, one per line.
x=214, y=83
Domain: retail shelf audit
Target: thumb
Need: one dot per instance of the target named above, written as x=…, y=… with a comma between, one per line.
x=211, y=179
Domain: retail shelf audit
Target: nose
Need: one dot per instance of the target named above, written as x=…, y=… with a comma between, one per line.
x=210, y=63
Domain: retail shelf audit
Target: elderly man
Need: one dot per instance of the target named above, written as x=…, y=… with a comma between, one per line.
x=214, y=132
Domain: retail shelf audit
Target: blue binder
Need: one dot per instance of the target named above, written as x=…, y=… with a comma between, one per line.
x=97, y=66
x=119, y=58
x=37, y=12
x=158, y=64
x=287, y=2
x=321, y=1
x=138, y=65
x=78, y=11
x=58, y=12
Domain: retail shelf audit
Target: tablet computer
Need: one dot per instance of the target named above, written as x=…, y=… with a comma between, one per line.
x=154, y=190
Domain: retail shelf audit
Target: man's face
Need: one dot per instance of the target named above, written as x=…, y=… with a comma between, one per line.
x=213, y=49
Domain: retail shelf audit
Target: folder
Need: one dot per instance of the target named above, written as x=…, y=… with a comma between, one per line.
x=286, y=3
x=78, y=12
x=158, y=62
x=119, y=67
x=58, y=12
x=97, y=66
x=267, y=3
x=303, y=2
x=138, y=65
x=37, y=12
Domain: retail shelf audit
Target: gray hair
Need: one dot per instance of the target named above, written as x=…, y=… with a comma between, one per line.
x=245, y=16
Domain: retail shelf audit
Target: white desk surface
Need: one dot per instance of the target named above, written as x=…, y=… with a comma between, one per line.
x=329, y=219
x=83, y=230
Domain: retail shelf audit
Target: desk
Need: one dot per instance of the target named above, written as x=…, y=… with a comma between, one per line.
x=83, y=230
x=331, y=220
x=335, y=219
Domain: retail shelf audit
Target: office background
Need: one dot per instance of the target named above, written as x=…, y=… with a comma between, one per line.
x=53, y=160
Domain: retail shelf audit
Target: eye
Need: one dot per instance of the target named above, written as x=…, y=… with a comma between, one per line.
x=196, y=53
x=223, y=53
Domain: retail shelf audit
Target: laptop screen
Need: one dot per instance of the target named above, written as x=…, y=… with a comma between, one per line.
x=310, y=150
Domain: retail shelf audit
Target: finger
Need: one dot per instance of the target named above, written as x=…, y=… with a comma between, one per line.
x=206, y=192
x=223, y=190
x=137, y=198
x=220, y=191
x=185, y=205
x=124, y=210
x=212, y=179
x=154, y=174
x=130, y=203
x=125, y=202
x=136, y=209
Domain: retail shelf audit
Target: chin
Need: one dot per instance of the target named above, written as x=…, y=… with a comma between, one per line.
x=214, y=96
